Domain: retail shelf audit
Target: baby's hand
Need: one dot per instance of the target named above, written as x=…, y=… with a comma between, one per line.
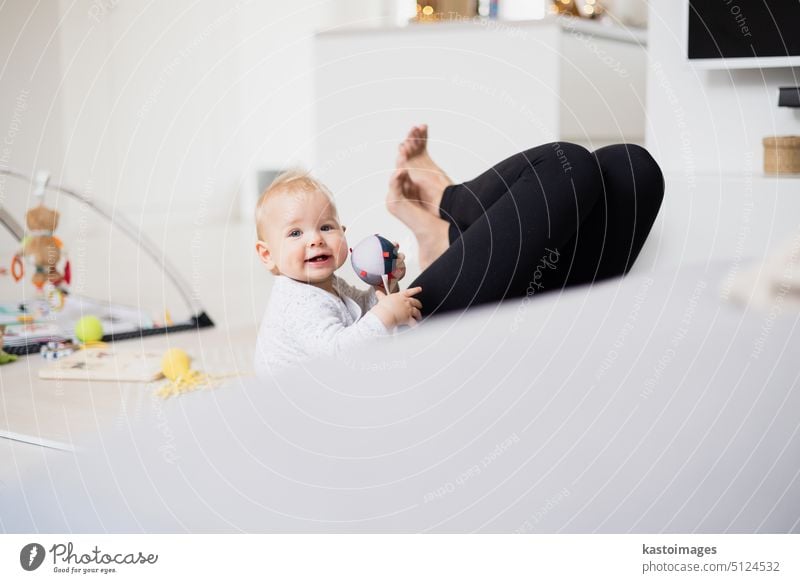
x=400, y=266
x=398, y=309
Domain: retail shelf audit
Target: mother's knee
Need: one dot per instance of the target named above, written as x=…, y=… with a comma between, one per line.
x=638, y=158
x=565, y=156
x=634, y=162
x=646, y=167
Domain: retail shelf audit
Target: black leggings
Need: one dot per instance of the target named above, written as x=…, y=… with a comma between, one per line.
x=548, y=217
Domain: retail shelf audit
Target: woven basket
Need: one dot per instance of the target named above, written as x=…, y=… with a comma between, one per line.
x=782, y=155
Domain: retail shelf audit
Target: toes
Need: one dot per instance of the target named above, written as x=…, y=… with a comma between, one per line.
x=396, y=181
x=401, y=180
x=410, y=189
x=402, y=154
x=416, y=140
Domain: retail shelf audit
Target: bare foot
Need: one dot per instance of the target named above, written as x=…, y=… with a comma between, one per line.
x=427, y=181
x=431, y=231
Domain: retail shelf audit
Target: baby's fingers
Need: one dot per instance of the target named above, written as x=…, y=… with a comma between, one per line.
x=412, y=291
x=415, y=303
x=416, y=314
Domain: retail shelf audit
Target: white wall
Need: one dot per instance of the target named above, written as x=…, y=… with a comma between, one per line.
x=162, y=111
x=277, y=64
x=30, y=112
x=708, y=121
x=156, y=106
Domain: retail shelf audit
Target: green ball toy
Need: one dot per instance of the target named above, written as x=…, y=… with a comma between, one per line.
x=89, y=329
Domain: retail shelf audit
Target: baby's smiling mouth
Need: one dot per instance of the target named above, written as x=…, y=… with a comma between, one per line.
x=318, y=259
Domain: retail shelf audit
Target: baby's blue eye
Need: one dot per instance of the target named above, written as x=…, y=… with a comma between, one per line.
x=294, y=233
x=326, y=227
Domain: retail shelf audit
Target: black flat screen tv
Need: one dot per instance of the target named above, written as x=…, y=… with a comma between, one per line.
x=744, y=33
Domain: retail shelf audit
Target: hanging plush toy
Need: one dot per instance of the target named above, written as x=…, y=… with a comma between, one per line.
x=43, y=250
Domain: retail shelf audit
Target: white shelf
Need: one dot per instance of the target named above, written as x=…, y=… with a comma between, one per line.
x=600, y=29
x=746, y=63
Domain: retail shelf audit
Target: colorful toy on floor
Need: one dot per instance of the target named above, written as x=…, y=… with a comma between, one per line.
x=176, y=367
x=104, y=364
x=4, y=356
x=26, y=318
x=89, y=330
x=175, y=364
x=374, y=259
x=54, y=350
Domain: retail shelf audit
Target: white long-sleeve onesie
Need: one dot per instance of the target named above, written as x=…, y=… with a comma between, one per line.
x=303, y=321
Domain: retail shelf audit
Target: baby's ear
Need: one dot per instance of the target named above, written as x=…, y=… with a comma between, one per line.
x=344, y=228
x=266, y=257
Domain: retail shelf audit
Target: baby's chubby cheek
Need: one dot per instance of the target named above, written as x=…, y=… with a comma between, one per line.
x=342, y=252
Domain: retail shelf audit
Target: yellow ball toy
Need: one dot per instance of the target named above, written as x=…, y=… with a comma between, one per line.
x=89, y=329
x=175, y=363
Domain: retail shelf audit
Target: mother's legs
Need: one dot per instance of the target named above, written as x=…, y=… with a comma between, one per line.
x=547, y=217
x=512, y=228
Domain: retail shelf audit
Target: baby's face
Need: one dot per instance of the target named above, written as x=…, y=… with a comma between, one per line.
x=303, y=236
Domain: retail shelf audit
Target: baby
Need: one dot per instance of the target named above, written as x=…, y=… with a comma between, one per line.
x=311, y=311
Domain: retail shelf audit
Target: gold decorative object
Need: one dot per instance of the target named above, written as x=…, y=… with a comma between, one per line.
x=782, y=155
x=590, y=8
x=567, y=7
x=434, y=10
x=583, y=8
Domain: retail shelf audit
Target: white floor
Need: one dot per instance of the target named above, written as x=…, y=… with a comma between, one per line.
x=17, y=459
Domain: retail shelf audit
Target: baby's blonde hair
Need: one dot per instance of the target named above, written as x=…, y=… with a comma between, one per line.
x=293, y=181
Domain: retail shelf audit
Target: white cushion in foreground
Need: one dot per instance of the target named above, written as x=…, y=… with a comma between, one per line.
x=640, y=405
